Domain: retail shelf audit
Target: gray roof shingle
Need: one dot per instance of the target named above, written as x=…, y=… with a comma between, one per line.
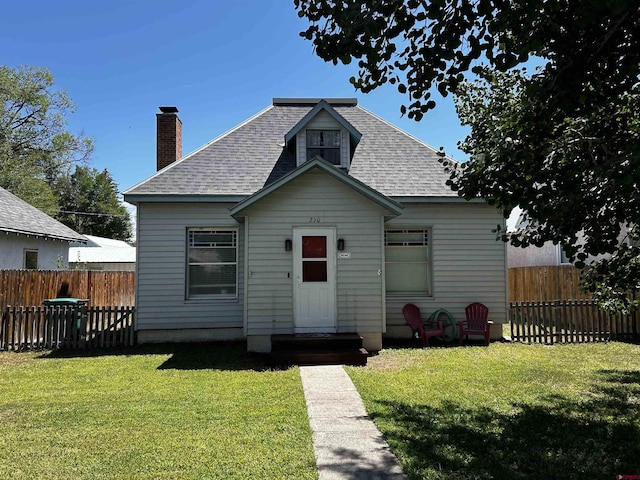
x=253, y=155
x=17, y=216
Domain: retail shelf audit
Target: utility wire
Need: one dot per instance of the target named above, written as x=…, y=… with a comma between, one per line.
x=93, y=214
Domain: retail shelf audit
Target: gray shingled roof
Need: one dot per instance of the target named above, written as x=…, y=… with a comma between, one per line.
x=17, y=216
x=252, y=156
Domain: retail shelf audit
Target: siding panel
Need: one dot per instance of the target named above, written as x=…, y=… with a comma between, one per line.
x=162, y=247
x=468, y=262
x=356, y=220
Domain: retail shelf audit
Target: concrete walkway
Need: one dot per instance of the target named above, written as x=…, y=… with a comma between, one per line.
x=346, y=442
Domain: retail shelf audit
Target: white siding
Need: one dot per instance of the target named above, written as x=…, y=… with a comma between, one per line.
x=533, y=256
x=270, y=283
x=323, y=121
x=468, y=262
x=162, y=251
x=52, y=254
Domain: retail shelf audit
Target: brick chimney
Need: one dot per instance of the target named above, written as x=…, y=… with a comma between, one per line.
x=169, y=140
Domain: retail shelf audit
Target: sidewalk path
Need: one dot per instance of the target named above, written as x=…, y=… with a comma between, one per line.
x=346, y=442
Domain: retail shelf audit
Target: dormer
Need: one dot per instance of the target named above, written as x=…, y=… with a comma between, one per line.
x=322, y=132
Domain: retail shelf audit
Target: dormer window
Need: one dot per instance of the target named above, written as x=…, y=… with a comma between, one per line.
x=325, y=144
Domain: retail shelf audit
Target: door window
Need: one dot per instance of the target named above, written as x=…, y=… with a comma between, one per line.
x=315, y=248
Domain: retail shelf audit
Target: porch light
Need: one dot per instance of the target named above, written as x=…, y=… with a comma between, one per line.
x=288, y=245
x=341, y=244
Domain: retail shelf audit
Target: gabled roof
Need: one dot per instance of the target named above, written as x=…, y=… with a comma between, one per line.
x=17, y=216
x=318, y=163
x=322, y=105
x=251, y=156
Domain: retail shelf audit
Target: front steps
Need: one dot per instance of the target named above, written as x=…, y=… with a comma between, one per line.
x=318, y=349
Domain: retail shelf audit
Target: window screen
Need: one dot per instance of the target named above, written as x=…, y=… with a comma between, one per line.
x=407, y=261
x=212, y=263
x=325, y=144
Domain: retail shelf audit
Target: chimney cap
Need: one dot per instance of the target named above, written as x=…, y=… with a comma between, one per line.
x=169, y=109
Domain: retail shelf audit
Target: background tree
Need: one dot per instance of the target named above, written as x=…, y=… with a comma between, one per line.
x=562, y=143
x=35, y=147
x=89, y=204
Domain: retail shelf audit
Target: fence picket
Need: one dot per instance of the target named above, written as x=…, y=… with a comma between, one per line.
x=569, y=321
x=53, y=327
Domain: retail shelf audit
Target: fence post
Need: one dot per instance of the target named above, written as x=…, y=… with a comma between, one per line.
x=4, y=328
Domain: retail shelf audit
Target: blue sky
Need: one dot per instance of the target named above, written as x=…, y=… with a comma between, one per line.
x=218, y=61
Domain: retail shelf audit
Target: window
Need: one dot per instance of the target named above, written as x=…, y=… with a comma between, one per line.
x=407, y=261
x=212, y=263
x=562, y=256
x=31, y=259
x=325, y=144
x=314, y=258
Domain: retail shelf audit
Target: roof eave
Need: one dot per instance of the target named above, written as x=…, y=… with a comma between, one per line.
x=137, y=198
x=435, y=199
x=64, y=238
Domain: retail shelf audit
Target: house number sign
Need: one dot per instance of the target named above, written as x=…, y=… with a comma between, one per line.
x=314, y=220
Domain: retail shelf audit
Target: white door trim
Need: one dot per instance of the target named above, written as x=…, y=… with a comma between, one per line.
x=315, y=306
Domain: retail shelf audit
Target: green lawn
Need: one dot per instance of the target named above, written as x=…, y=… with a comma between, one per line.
x=180, y=412
x=213, y=411
x=508, y=411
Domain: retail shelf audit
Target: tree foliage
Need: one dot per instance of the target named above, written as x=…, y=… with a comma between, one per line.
x=35, y=147
x=38, y=155
x=90, y=205
x=562, y=142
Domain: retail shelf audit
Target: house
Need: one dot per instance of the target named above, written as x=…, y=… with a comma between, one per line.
x=103, y=254
x=31, y=239
x=549, y=254
x=313, y=216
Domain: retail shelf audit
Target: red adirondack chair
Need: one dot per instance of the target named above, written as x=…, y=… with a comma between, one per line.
x=414, y=320
x=476, y=323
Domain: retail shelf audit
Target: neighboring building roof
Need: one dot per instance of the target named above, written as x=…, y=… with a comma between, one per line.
x=102, y=250
x=94, y=241
x=253, y=155
x=17, y=216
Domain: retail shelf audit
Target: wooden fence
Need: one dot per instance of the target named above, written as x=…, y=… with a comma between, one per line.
x=71, y=327
x=548, y=306
x=542, y=284
x=32, y=287
x=569, y=321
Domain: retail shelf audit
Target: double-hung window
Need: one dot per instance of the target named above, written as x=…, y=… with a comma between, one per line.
x=407, y=261
x=212, y=264
x=325, y=144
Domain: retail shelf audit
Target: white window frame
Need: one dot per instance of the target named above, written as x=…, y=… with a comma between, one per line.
x=188, y=264
x=338, y=148
x=426, y=242
x=563, y=259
